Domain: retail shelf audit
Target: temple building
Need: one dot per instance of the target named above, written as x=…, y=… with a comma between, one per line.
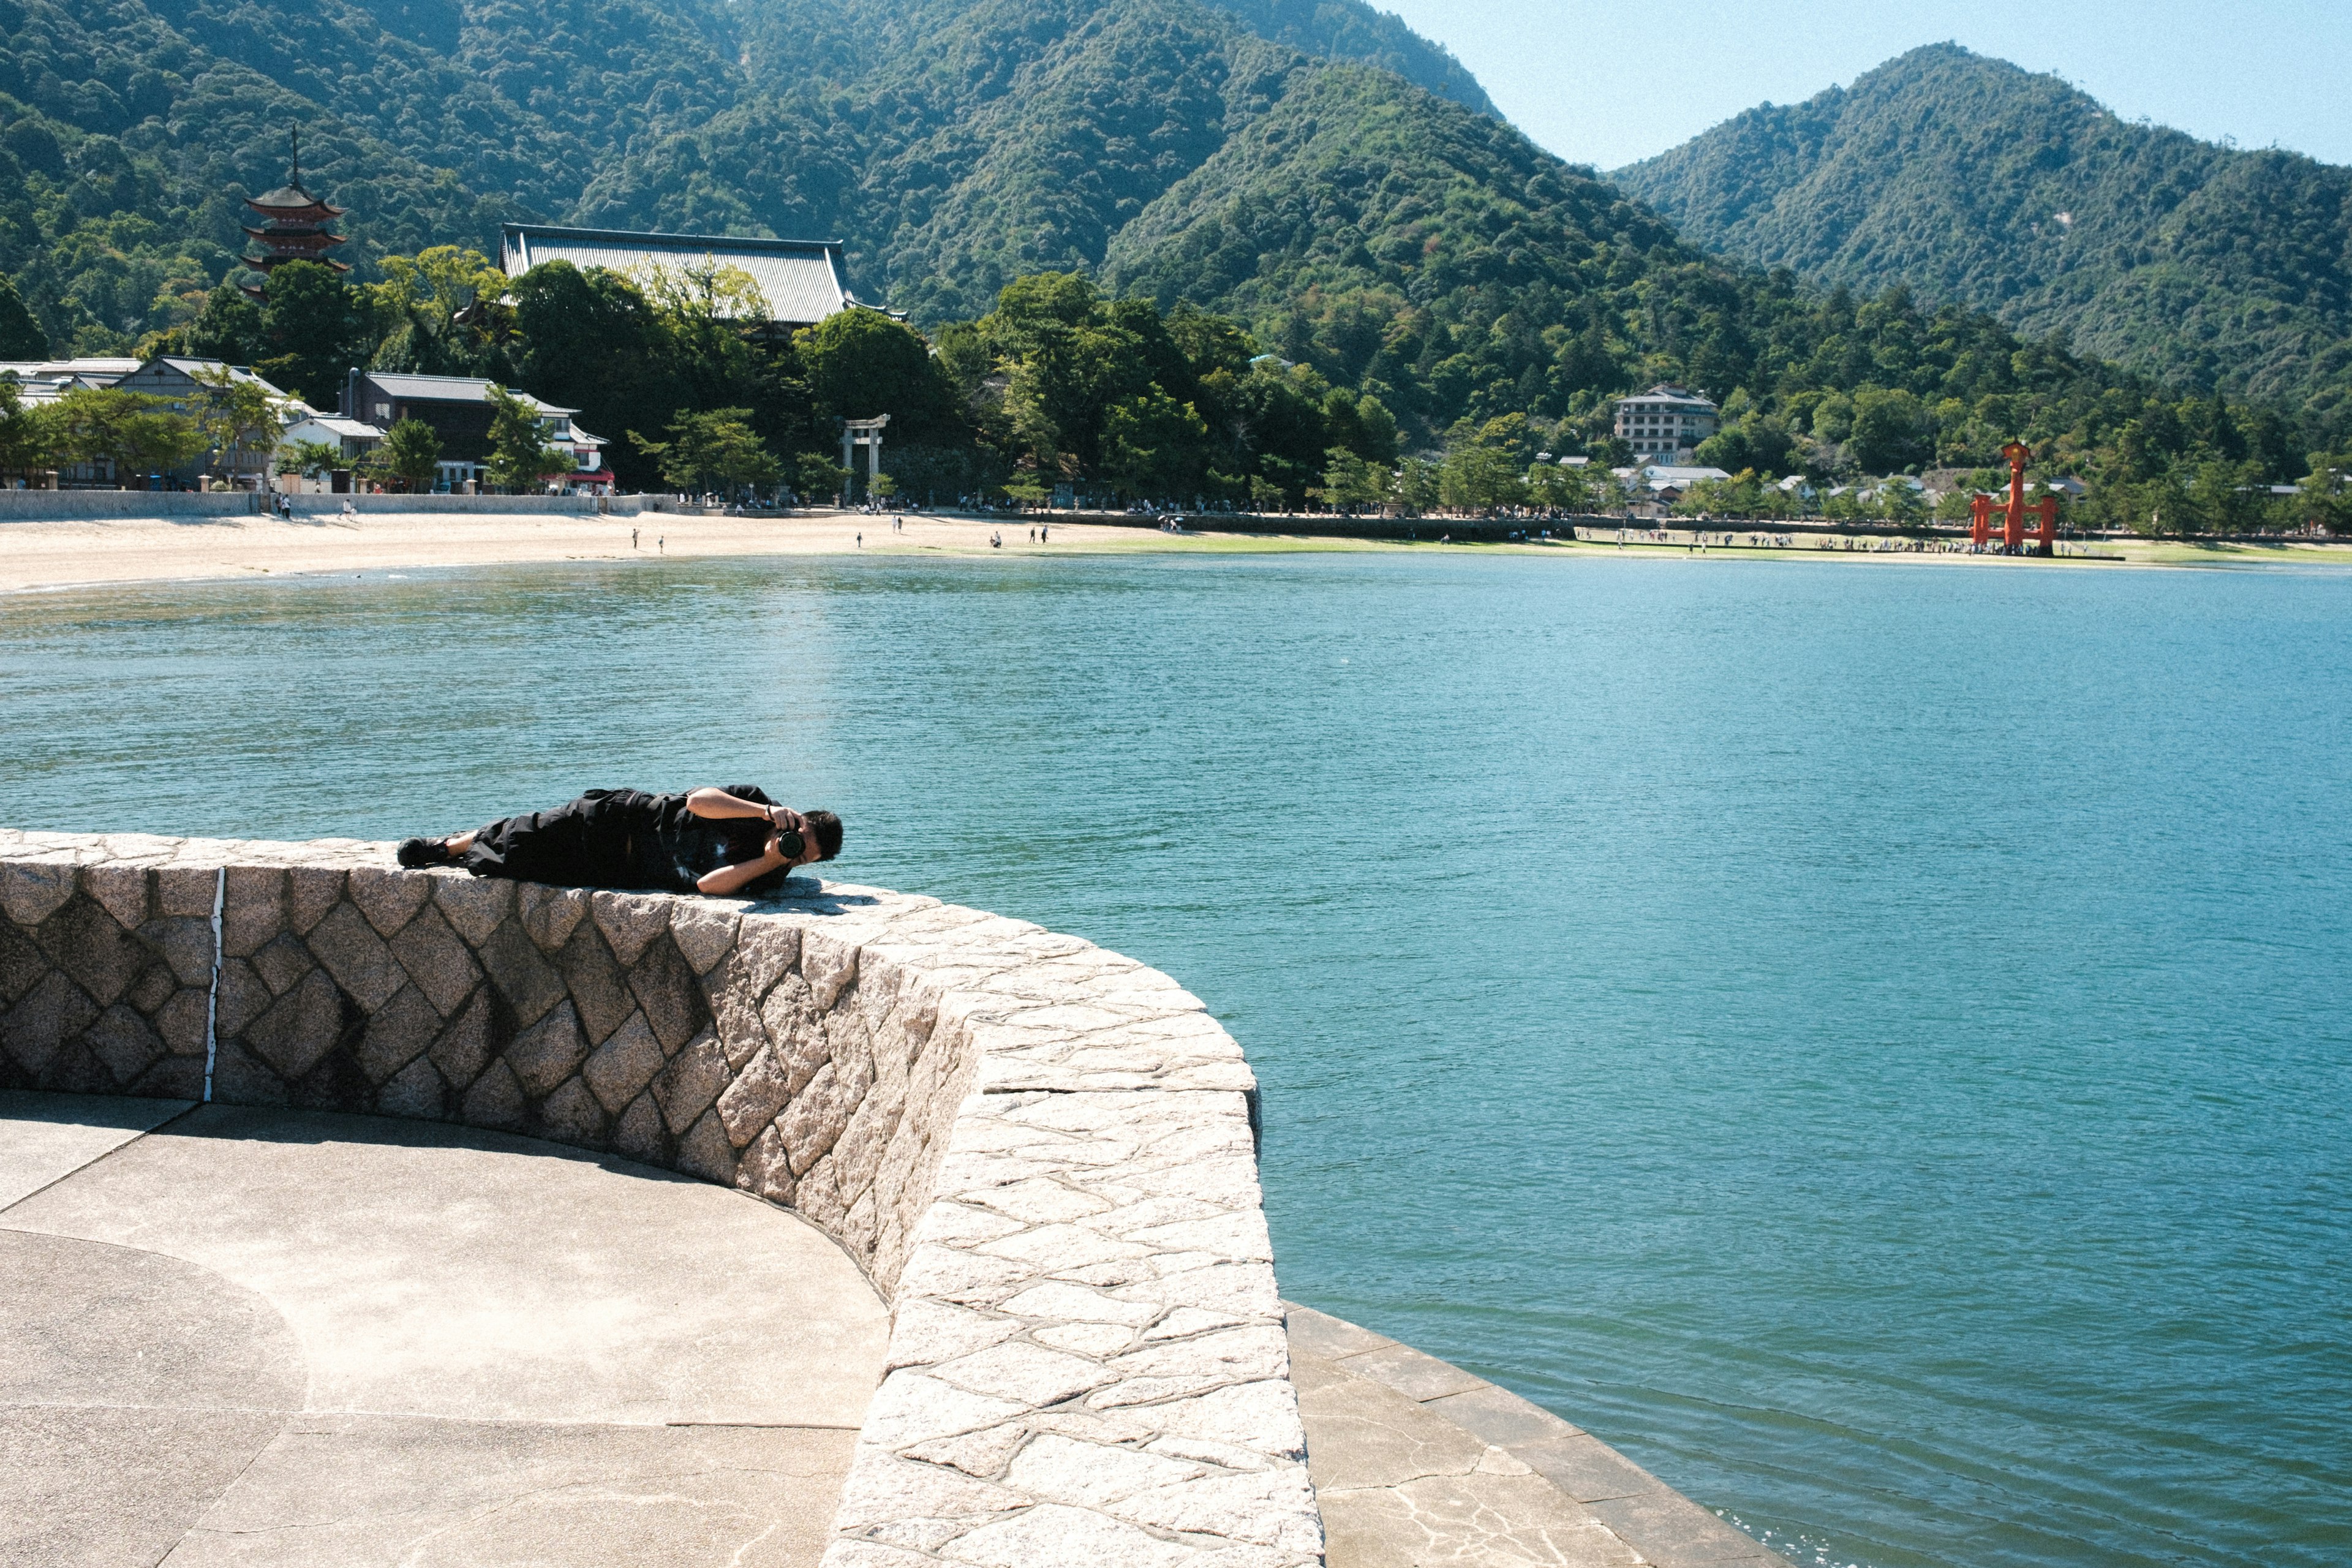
x=293, y=226
x=801, y=282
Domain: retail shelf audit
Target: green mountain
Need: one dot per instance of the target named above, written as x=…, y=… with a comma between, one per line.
x=1973, y=182
x=1408, y=246
x=952, y=143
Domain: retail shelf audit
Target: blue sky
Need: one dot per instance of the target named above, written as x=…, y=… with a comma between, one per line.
x=1610, y=83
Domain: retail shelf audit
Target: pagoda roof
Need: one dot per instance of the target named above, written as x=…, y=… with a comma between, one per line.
x=291, y=199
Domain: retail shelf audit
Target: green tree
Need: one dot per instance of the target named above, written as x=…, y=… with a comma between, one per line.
x=309, y=458
x=1151, y=444
x=21, y=337
x=1418, y=485
x=411, y=452
x=713, y=451
x=521, y=454
x=239, y=419
x=816, y=476
x=136, y=431
x=1890, y=430
x=317, y=327
x=1351, y=484
x=859, y=362
x=24, y=439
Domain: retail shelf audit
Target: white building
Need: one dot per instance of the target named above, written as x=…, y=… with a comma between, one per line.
x=1664, y=422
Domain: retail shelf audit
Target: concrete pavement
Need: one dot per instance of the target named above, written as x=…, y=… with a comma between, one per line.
x=264, y=1337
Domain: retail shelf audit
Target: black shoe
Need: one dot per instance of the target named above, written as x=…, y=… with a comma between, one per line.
x=415, y=853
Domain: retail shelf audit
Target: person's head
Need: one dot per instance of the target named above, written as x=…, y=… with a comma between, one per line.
x=825, y=831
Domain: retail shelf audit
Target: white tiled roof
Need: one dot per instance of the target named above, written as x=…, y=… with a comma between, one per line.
x=449, y=389
x=801, y=278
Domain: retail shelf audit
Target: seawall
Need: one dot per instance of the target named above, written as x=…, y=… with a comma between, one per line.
x=1042, y=1152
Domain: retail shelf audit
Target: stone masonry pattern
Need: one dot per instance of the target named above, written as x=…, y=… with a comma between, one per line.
x=1043, y=1153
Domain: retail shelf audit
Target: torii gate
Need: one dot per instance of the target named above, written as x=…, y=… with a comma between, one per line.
x=865, y=432
x=2014, y=520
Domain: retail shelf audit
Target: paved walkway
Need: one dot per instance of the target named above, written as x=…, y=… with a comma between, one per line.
x=1417, y=1464
x=277, y=1338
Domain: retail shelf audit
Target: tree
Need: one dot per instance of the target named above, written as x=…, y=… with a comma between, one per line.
x=239, y=417
x=521, y=454
x=21, y=337
x=319, y=328
x=411, y=452
x=135, y=431
x=439, y=311
x=1417, y=485
x=311, y=458
x=1351, y=484
x=1151, y=445
x=860, y=362
x=817, y=475
x=715, y=450
x=1890, y=430
x=24, y=443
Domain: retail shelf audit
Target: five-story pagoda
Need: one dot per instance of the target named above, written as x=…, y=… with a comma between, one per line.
x=293, y=226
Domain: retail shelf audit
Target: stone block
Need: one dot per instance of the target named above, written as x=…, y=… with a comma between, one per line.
x=311, y=892
x=829, y=965
x=599, y=991
x=468, y=1042
x=123, y=1044
x=30, y=891
x=571, y=1115
x=22, y=963
x=282, y=963
x=1412, y=1374
x=1496, y=1415
x=81, y=939
x=187, y=892
x=796, y=1030
x=1052, y=1535
x=398, y=1033
x=415, y=1090
x=816, y=1118
x=301, y=1028
x=155, y=987
x=549, y=915
x=171, y=1077
x=689, y=1085
x=1025, y=1373
x=122, y=892
x=473, y=905
x=243, y=997
x=495, y=1101
x=630, y=921
x=763, y=1171
x=705, y=1152
x=548, y=1052
x=752, y=1102
x=438, y=960
x=389, y=898
x=619, y=1069
x=704, y=936
x=666, y=990
x=349, y=948
x=528, y=983
x=253, y=908
x=638, y=1133
x=241, y=1077
x=180, y=1021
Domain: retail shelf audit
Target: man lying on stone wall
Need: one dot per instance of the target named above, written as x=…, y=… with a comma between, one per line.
x=729, y=841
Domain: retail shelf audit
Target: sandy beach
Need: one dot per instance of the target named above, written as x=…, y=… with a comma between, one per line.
x=37, y=556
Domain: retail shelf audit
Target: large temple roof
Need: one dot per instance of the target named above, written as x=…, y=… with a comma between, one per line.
x=291, y=199
x=800, y=279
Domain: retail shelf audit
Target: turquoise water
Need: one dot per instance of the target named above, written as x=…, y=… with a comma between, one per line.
x=1869, y=1041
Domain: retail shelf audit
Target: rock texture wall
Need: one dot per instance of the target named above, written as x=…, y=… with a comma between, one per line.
x=1042, y=1151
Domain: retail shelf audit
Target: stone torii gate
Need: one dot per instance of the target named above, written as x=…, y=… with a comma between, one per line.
x=865, y=432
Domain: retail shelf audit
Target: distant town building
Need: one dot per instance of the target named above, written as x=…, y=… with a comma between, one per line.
x=801, y=281
x=458, y=409
x=1665, y=421
x=355, y=438
x=182, y=380
x=293, y=226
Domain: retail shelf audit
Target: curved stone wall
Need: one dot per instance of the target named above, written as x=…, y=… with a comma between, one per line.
x=1040, y=1152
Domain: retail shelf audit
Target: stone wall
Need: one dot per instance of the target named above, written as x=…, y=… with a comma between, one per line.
x=1043, y=1153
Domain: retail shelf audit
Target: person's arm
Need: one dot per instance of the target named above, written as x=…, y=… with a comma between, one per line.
x=730, y=879
x=716, y=804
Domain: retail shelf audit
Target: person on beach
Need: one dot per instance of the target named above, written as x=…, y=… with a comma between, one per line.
x=724, y=841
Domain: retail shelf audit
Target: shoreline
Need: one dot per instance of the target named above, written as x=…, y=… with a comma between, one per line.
x=56, y=556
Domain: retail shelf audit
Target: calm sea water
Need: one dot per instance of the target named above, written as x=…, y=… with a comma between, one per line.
x=1870, y=1042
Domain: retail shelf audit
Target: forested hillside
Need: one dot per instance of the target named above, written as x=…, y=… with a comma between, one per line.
x=1976, y=183
x=1405, y=249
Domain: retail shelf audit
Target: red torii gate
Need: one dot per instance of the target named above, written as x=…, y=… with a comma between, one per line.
x=2013, y=519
